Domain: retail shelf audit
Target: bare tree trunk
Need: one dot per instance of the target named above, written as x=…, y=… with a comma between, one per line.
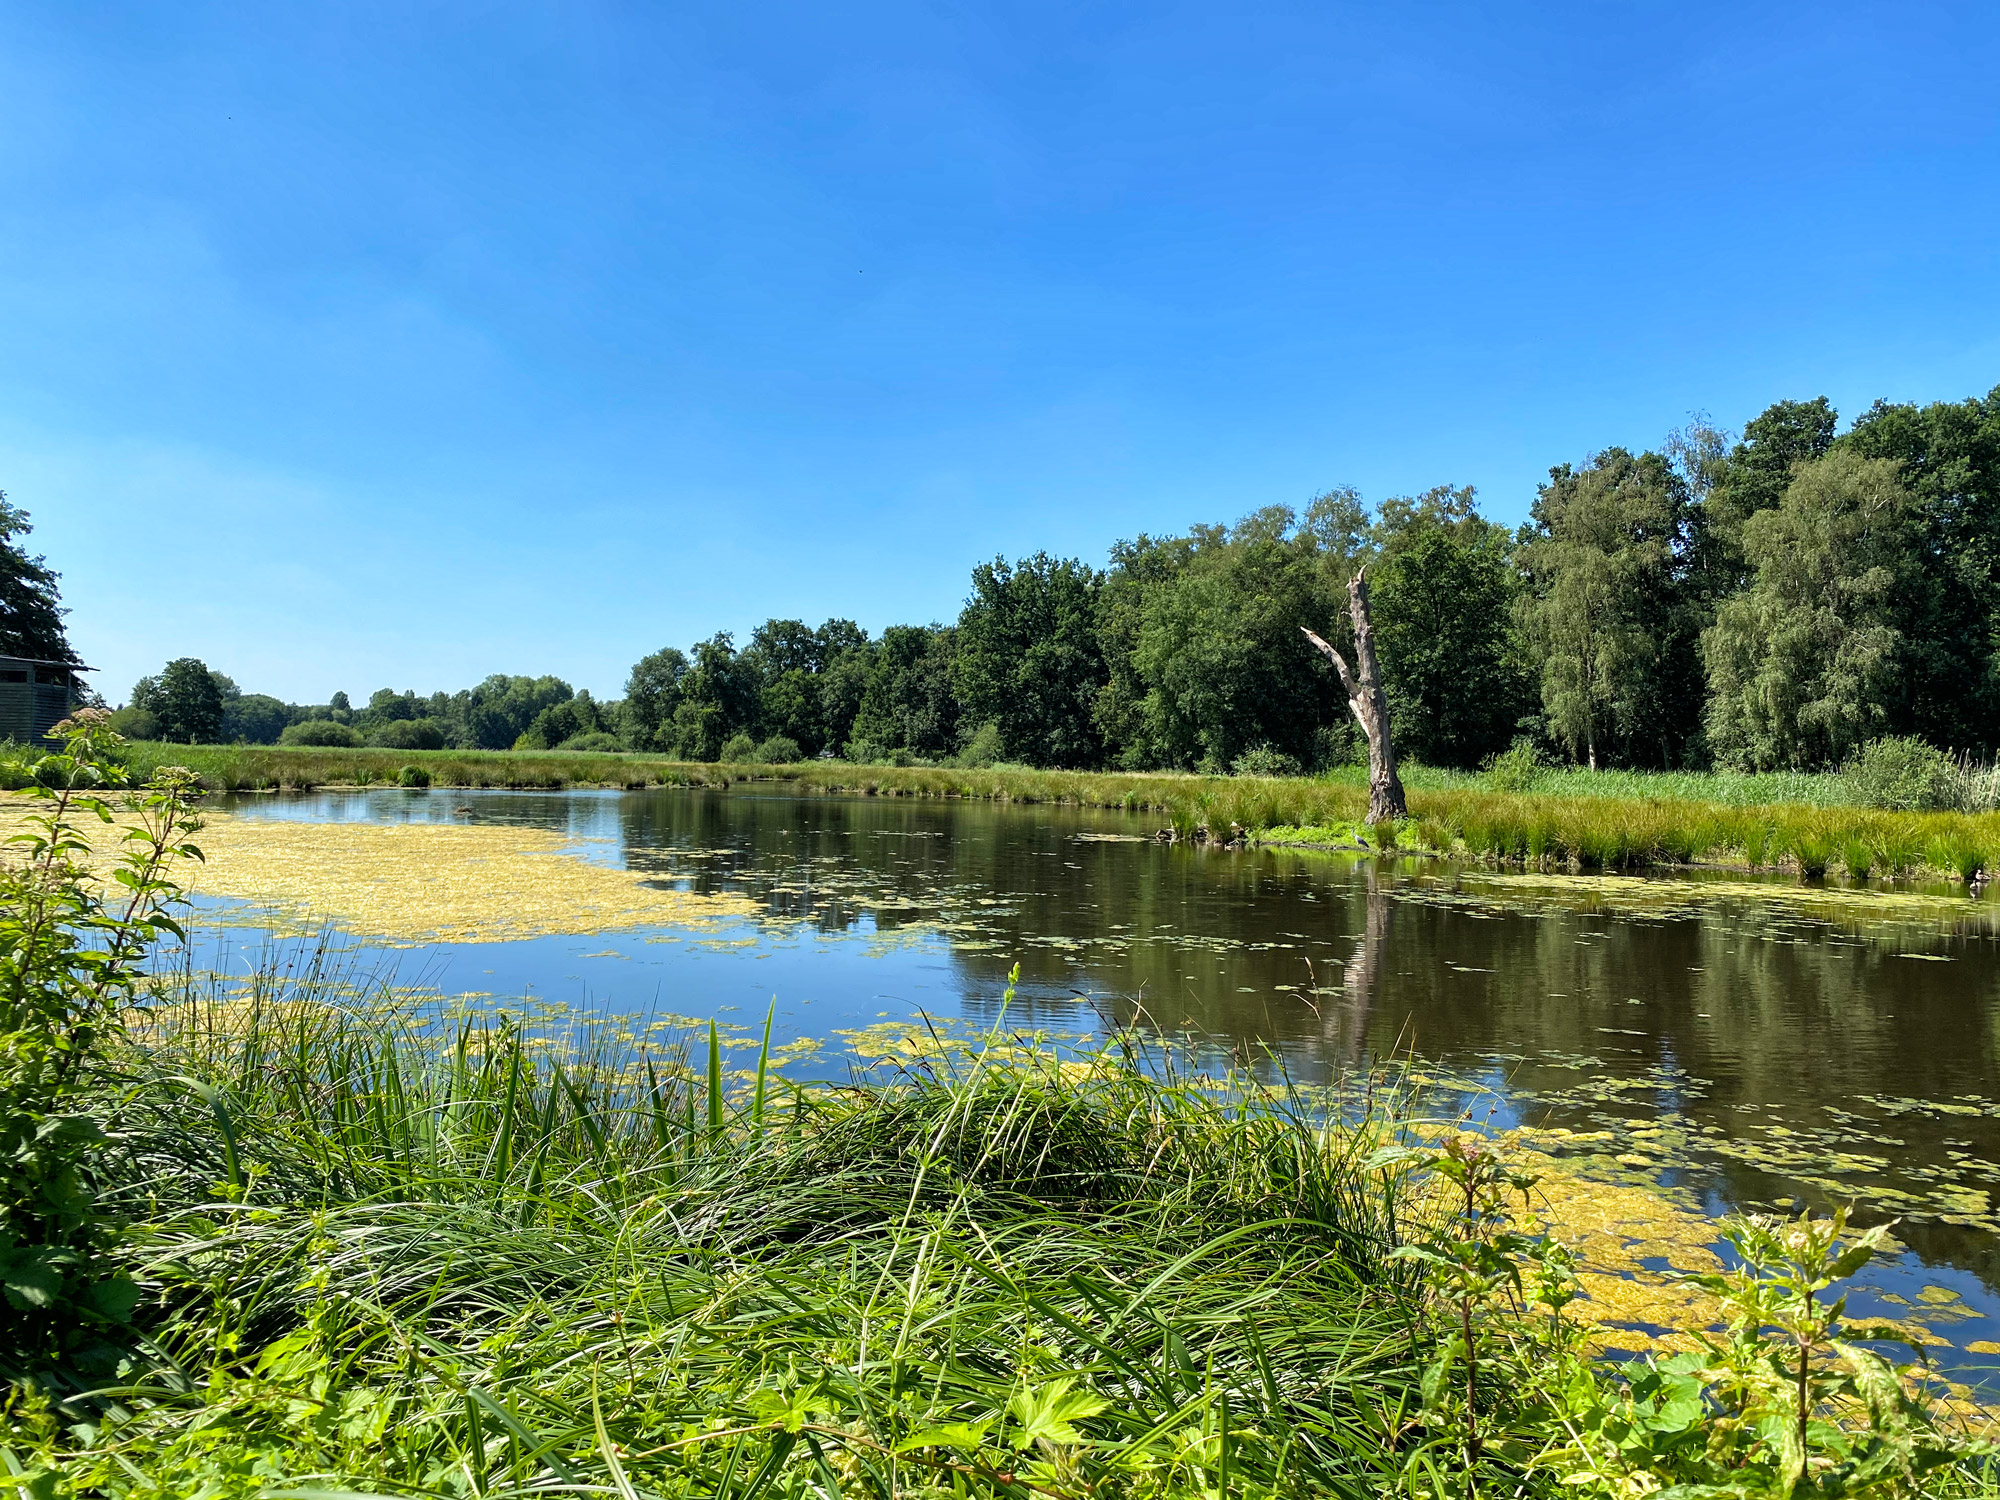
x=1371, y=708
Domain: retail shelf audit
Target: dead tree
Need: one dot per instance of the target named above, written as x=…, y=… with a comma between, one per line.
x=1371, y=708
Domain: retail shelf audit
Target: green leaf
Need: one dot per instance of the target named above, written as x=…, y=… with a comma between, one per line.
x=112, y=1299
x=1047, y=1412
x=33, y=1284
x=966, y=1437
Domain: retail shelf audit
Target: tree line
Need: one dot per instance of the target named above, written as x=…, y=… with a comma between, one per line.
x=1769, y=601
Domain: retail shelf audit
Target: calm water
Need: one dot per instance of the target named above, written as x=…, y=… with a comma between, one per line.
x=1763, y=1045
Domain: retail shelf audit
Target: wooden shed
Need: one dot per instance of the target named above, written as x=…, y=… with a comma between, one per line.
x=34, y=696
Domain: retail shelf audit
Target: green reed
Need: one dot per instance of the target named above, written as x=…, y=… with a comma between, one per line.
x=467, y=1259
x=1551, y=825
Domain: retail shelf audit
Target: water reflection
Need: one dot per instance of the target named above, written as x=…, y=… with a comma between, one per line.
x=1763, y=1049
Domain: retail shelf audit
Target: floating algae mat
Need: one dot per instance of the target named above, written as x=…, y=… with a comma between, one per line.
x=421, y=883
x=433, y=882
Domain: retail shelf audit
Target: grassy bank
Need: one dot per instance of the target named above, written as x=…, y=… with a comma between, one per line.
x=273, y=767
x=1585, y=820
x=468, y=1267
x=383, y=1261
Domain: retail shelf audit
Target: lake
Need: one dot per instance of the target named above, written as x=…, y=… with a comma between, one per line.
x=1748, y=1044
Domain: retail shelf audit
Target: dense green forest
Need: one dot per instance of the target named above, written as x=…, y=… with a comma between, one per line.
x=1772, y=602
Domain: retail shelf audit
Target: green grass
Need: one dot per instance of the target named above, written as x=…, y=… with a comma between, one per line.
x=1618, y=820
x=384, y=1256
x=271, y=767
x=1597, y=833
x=476, y=1266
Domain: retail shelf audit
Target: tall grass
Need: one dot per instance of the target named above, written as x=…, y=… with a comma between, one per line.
x=1573, y=819
x=469, y=1263
x=385, y=1257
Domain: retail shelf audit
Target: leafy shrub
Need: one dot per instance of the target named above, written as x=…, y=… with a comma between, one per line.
x=73, y=953
x=1516, y=769
x=321, y=732
x=409, y=734
x=1264, y=761
x=136, y=723
x=738, y=749
x=1338, y=744
x=778, y=750
x=413, y=776
x=1902, y=773
x=596, y=742
x=983, y=748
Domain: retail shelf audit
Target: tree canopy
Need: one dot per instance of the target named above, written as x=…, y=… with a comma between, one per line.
x=31, y=612
x=1776, y=599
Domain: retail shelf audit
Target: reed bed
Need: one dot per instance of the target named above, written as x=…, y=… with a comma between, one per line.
x=397, y=1253
x=1452, y=814
x=464, y=1262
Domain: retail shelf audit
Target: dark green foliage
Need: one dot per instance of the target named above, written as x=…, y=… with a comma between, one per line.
x=1613, y=612
x=31, y=612
x=807, y=681
x=1755, y=475
x=560, y=723
x=186, y=700
x=1219, y=652
x=652, y=694
x=409, y=734
x=1028, y=658
x=1443, y=599
x=1947, y=609
x=718, y=699
x=322, y=732
x=499, y=711
x=253, y=718
x=1802, y=663
x=909, y=701
x=737, y=749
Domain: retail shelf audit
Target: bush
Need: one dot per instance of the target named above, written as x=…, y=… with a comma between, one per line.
x=738, y=749
x=413, y=776
x=1264, y=761
x=321, y=732
x=779, y=750
x=984, y=748
x=136, y=724
x=1903, y=774
x=409, y=734
x=73, y=959
x=1516, y=769
x=594, y=742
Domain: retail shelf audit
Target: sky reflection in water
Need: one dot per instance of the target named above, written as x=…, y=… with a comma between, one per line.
x=1755, y=1044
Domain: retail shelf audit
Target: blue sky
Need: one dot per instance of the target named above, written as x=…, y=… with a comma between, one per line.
x=350, y=346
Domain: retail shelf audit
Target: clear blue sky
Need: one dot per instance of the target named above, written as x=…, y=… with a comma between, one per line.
x=350, y=345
